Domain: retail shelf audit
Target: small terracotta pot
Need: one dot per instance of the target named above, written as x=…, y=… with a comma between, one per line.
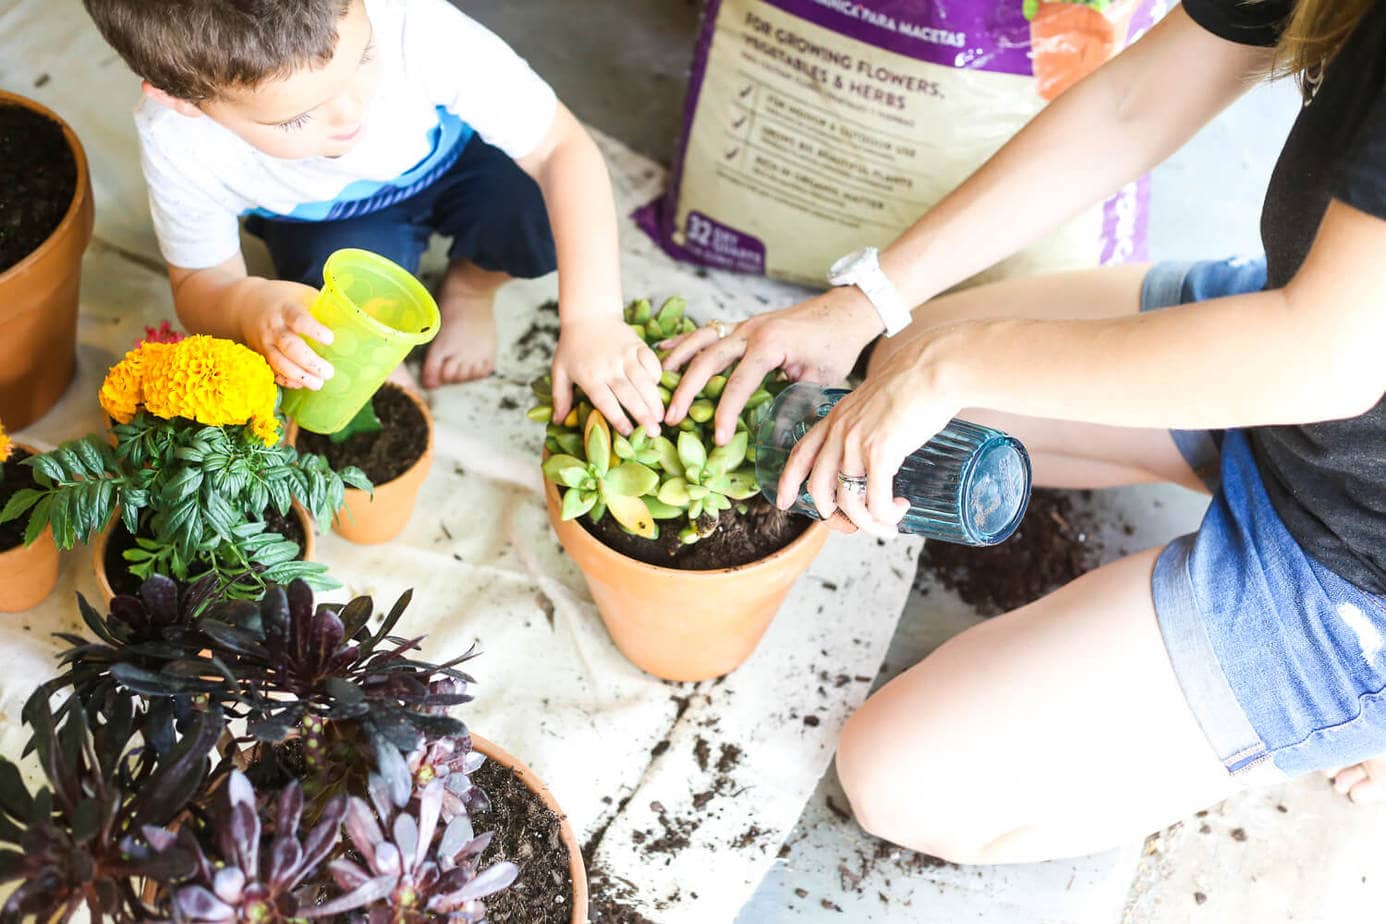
x=39, y=295
x=370, y=518
x=576, y=868
x=684, y=625
x=28, y=573
x=98, y=547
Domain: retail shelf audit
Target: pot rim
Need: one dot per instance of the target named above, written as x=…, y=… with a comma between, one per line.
x=811, y=535
x=98, y=546
x=79, y=193
x=577, y=865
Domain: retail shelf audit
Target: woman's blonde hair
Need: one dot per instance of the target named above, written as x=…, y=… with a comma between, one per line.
x=1314, y=32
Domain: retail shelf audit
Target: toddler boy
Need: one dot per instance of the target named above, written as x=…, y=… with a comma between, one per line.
x=372, y=124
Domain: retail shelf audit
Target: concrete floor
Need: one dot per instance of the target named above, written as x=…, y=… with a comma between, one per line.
x=1295, y=853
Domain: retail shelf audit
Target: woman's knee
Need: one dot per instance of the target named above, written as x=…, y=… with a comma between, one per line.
x=914, y=789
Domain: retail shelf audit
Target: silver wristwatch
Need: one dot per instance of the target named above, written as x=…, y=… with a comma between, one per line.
x=862, y=268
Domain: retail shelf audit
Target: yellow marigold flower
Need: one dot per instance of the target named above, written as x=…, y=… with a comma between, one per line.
x=123, y=391
x=4, y=444
x=212, y=381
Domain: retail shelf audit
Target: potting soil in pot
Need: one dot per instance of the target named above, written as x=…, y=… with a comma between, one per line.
x=17, y=478
x=123, y=582
x=383, y=456
x=739, y=539
x=38, y=177
x=529, y=834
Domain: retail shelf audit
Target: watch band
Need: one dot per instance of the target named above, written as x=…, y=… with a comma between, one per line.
x=863, y=270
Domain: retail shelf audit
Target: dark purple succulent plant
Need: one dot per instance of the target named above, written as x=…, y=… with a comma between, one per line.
x=409, y=873
x=450, y=761
x=79, y=841
x=255, y=876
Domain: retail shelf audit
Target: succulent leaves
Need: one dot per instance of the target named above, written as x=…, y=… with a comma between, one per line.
x=640, y=479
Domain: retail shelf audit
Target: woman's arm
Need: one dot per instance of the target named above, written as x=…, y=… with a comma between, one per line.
x=1310, y=351
x=1108, y=129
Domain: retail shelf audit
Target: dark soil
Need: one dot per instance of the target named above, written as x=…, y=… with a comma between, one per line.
x=541, y=337
x=605, y=905
x=123, y=582
x=528, y=834
x=38, y=176
x=17, y=478
x=1051, y=548
x=738, y=540
x=383, y=456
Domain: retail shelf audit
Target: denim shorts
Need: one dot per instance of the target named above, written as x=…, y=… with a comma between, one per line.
x=1282, y=661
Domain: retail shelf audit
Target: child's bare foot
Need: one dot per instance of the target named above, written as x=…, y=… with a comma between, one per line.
x=465, y=348
x=1364, y=783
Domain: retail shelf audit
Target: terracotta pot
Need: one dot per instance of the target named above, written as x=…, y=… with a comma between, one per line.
x=98, y=548
x=369, y=518
x=38, y=296
x=684, y=625
x=28, y=573
x=576, y=868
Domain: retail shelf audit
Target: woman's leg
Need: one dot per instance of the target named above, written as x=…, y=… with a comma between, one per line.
x=1064, y=454
x=1054, y=730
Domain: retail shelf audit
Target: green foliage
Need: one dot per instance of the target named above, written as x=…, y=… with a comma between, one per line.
x=678, y=475
x=194, y=496
x=364, y=423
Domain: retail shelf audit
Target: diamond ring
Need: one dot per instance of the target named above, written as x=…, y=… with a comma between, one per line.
x=722, y=328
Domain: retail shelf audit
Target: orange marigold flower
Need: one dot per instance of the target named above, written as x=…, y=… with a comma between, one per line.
x=212, y=381
x=123, y=391
x=4, y=444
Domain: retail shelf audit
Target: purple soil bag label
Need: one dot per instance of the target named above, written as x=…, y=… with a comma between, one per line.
x=814, y=127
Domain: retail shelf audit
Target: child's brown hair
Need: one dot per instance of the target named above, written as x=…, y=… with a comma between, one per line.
x=195, y=49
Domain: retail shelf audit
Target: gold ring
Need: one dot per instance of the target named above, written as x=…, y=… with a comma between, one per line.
x=722, y=328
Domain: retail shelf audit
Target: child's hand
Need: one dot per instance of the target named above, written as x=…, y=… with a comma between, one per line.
x=274, y=322
x=613, y=367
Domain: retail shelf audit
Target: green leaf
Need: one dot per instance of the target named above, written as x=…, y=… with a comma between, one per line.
x=629, y=479
x=737, y=485
x=356, y=478
x=660, y=510
x=46, y=465
x=728, y=458
x=569, y=442
x=364, y=423
x=599, y=450
x=697, y=492
x=19, y=502
x=576, y=503
x=674, y=492
x=640, y=311
x=38, y=521
x=668, y=455
x=598, y=511
x=622, y=447
x=670, y=313
x=565, y=470
x=91, y=457
x=632, y=513
x=692, y=453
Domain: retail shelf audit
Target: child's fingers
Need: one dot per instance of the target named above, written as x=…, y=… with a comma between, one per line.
x=632, y=398
x=296, y=350
x=606, y=401
x=562, y=389
x=288, y=373
x=301, y=321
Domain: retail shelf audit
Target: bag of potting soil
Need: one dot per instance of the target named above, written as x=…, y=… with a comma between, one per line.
x=814, y=127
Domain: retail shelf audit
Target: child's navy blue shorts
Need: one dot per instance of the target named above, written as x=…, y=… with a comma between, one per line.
x=493, y=211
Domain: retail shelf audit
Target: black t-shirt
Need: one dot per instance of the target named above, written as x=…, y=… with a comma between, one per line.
x=1327, y=480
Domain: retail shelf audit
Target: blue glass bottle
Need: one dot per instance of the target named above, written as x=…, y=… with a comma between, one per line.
x=969, y=484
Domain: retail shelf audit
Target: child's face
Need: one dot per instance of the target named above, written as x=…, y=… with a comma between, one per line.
x=313, y=112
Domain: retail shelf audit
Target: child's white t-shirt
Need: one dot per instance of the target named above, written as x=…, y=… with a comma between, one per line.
x=443, y=76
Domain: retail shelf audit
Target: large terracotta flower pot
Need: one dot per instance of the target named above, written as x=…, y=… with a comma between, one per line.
x=28, y=573
x=38, y=302
x=98, y=548
x=370, y=518
x=576, y=868
x=684, y=625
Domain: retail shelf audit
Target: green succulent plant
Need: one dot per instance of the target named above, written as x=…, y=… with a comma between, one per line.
x=643, y=480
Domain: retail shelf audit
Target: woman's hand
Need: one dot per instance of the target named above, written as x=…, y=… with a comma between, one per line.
x=870, y=432
x=817, y=340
